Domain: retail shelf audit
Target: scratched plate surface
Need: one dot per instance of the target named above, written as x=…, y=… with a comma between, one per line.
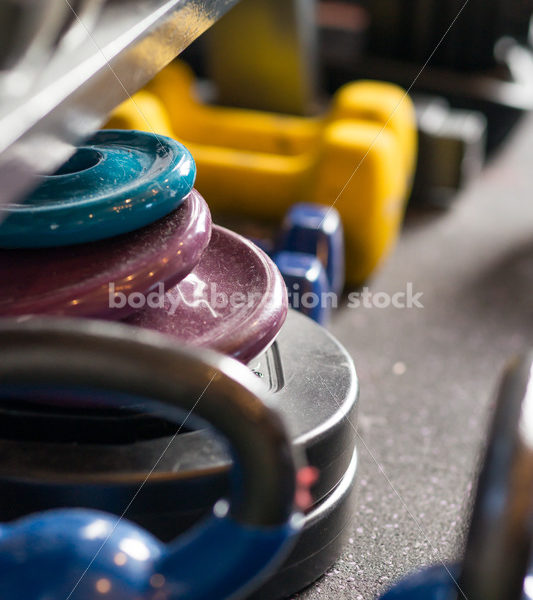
x=234, y=301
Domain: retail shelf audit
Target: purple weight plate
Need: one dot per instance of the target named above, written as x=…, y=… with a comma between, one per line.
x=77, y=280
x=235, y=300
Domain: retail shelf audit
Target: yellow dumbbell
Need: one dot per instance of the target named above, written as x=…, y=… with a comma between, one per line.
x=359, y=157
x=143, y=112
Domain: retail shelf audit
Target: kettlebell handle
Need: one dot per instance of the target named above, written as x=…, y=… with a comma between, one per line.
x=500, y=536
x=220, y=557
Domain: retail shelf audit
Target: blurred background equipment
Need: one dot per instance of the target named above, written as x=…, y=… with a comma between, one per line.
x=475, y=54
x=263, y=55
x=451, y=149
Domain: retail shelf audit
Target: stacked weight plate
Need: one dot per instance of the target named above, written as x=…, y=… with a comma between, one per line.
x=120, y=230
x=98, y=238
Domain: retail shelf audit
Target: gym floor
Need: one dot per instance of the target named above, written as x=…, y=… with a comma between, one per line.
x=428, y=375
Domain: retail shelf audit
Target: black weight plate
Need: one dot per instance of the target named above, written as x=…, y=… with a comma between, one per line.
x=319, y=545
x=311, y=380
x=314, y=386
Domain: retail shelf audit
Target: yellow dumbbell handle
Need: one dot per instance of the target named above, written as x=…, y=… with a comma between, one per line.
x=359, y=157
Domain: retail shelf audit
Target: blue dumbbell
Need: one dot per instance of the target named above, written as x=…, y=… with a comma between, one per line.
x=307, y=284
x=309, y=252
x=317, y=230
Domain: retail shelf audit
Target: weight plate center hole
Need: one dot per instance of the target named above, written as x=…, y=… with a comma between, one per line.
x=82, y=160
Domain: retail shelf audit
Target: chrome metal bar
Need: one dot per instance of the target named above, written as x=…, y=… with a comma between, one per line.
x=77, y=90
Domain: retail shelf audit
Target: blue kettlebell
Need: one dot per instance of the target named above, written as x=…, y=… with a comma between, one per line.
x=84, y=554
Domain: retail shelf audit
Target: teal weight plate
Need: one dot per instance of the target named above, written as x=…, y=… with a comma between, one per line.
x=117, y=182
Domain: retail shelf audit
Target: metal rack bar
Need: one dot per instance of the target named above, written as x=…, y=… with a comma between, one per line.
x=75, y=93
